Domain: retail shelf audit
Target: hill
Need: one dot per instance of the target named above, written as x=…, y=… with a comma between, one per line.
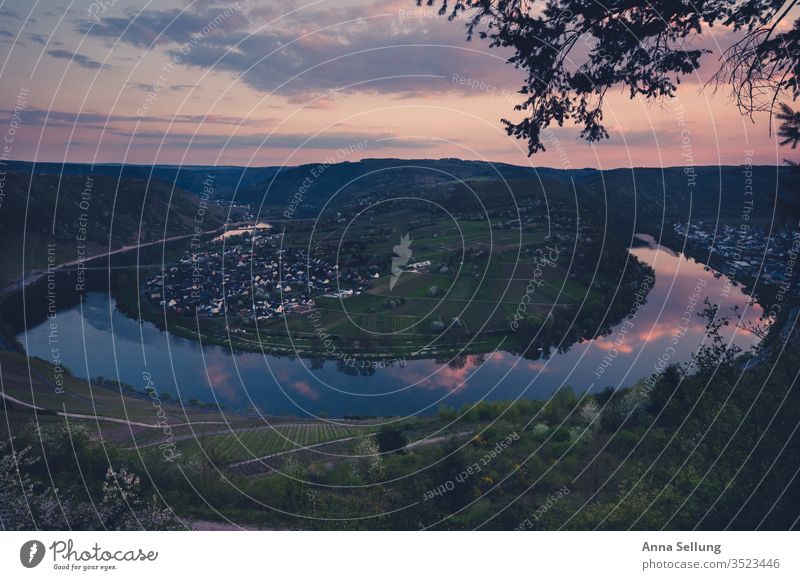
x=637, y=197
x=83, y=215
x=189, y=178
x=642, y=191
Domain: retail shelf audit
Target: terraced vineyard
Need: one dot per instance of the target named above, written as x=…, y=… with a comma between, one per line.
x=239, y=446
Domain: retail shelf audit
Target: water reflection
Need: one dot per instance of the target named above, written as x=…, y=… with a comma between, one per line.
x=96, y=339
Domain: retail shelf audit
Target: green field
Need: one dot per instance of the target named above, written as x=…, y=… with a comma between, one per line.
x=482, y=289
x=245, y=445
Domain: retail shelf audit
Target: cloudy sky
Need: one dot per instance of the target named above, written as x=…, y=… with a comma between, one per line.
x=271, y=82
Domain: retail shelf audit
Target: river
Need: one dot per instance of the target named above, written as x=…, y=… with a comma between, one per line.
x=95, y=339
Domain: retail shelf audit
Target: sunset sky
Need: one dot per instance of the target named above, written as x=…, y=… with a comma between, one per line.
x=272, y=82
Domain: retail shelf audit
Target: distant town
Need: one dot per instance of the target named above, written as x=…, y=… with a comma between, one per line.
x=748, y=252
x=251, y=275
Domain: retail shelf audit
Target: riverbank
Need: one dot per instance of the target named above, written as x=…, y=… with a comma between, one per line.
x=305, y=335
x=168, y=249
x=107, y=342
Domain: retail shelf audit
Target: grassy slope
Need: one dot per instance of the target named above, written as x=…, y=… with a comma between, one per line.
x=119, y=212
x=233, y=435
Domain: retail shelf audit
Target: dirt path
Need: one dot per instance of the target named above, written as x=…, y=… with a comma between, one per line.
x=419, y=443
x=228, y=431
x=103, y=418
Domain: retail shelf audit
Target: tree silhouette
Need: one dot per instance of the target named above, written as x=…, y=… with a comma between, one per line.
x=573, y=51
x=789, y=130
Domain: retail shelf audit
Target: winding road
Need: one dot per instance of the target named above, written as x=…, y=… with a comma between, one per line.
x=33, y=276
x=101, y=417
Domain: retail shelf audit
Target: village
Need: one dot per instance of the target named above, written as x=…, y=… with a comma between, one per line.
x=251, y=276
x=751, y=253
